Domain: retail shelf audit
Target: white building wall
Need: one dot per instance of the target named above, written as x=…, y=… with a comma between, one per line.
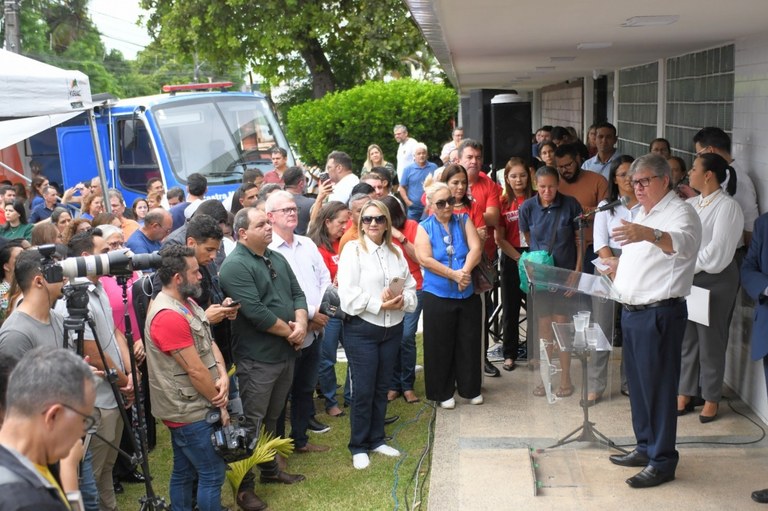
x=750, y=149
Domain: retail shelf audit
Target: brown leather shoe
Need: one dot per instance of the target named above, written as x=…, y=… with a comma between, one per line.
x=312, y=448
x=282, y=477
x=248, y=501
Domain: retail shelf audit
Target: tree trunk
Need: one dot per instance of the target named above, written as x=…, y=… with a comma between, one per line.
x=323, y=80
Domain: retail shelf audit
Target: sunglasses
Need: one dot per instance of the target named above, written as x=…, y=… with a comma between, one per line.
x=442, y=204
x=381, y=219
x=272, y=272
x=448, y=240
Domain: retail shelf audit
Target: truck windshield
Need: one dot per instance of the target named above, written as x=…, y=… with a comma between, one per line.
x=218, y=136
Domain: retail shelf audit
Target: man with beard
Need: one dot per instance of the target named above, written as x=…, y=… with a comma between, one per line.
x=187, y=377
x=589, y=188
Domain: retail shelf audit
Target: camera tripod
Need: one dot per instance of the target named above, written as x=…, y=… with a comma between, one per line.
x=77, y=308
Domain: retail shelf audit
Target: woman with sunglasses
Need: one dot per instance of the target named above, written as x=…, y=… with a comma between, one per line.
x=517, y=189
x=376, y=290
x=448, y=248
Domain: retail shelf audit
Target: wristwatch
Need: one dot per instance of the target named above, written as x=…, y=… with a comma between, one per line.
x=657, y=234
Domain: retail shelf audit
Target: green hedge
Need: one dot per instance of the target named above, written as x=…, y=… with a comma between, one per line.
x=353, y=119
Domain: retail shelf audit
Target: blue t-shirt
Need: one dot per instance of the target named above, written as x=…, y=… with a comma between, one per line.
x=40, y=213
x=539, y=221
x=177, y=213
x=440, y=239
x=140, y=244
x=413, y=178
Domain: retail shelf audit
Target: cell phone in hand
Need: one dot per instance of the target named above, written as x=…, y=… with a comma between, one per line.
x=323, y=177
x=396, y=285
x=234, y=303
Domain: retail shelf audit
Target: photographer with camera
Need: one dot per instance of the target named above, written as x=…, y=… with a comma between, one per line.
x=32, y=323
x=187, y=377
x=115, y=348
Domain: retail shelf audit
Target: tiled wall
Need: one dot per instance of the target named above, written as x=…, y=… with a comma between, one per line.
x=638, y=96
x=563, y=106
x=699, y=90
x=750, y=149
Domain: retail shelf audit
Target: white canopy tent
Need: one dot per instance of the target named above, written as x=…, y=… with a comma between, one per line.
x=37, y=96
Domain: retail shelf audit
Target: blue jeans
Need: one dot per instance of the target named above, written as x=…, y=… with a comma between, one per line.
x=415, y=211
x=405, y=363
x=87, y=483
x=302, y=406
x=193, y=454
x=371, y=351
x=326, y=371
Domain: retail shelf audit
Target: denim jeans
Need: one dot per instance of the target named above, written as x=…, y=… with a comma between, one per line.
x=405, y=363
x=87, y=483
x=326, y=372
x=371, y=351
x=415, y=212
x=302, y=405
x=193, y=454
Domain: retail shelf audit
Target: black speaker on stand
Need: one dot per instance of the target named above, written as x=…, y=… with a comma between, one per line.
x=510, y=129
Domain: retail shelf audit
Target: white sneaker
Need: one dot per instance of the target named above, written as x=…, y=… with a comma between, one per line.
x=387, y=451
x=476, y=400
x=360, y=461
x=448, y=404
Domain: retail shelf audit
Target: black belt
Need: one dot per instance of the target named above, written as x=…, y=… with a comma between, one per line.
x=653, y=305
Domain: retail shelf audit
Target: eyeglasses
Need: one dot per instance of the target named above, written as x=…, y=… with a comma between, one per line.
x=441, y=204
x=114, y=245
x=448, y=240
x=89, y=421
x=643, y=182
x=566, y=166
x=288, y=211
x=381, y=219
x=272, y=272
x=703, y=151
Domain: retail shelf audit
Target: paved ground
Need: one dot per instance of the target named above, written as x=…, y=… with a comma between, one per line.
x=498, y=456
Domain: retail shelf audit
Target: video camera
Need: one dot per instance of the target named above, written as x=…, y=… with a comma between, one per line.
x=117, y=263
x=231, y=442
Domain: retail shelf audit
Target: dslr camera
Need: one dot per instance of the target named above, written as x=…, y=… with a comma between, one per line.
x=231, y=442
x=116, y=263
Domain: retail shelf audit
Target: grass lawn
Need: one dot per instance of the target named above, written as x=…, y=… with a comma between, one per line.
x=332, y=483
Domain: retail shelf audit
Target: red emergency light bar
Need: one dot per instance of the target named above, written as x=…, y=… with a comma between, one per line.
x=196, y=86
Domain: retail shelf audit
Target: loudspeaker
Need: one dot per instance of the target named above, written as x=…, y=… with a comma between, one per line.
x=510, y=133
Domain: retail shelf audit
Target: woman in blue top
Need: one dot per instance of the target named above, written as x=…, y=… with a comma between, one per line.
x=448, y=248
x=547, y=221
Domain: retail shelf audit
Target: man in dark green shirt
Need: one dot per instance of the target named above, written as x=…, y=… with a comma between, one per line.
x=267, y=334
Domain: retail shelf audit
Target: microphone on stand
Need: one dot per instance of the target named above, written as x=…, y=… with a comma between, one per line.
x=621, y=201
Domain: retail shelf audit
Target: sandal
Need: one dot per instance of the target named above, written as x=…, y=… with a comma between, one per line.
x=564, y=391
x=540, y=391
x=410, y=397
x=392, y=395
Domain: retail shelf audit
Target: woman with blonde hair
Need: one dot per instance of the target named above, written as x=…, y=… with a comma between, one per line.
x=375, y=290
x=375, y=158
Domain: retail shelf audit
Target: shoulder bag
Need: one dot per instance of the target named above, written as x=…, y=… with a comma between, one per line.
x=484, y=274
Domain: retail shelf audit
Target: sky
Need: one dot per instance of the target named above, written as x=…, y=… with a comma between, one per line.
x=116, y=21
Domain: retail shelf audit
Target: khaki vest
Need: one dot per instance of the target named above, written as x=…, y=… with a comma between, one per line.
x=172, y=394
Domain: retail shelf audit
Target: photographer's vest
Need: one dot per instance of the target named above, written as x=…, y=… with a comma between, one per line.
x=173, y=396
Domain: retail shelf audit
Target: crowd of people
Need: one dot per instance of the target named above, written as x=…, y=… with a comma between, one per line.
x=253, y=295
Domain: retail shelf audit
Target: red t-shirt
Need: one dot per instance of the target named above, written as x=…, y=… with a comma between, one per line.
x=509, y=219
x=409, y=231
x=486, y=194
x=170, y=331
x=331, y=259
x=272, y=177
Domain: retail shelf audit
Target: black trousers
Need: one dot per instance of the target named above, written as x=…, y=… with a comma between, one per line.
x=511, y=301
x=453, y=350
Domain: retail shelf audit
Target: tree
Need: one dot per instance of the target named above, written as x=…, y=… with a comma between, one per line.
x=335, y=45
x=351, y=120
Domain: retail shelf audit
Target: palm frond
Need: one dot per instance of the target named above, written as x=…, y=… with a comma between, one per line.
x=266, y=449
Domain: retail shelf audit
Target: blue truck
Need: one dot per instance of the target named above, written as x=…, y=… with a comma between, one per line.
x=203, y=128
